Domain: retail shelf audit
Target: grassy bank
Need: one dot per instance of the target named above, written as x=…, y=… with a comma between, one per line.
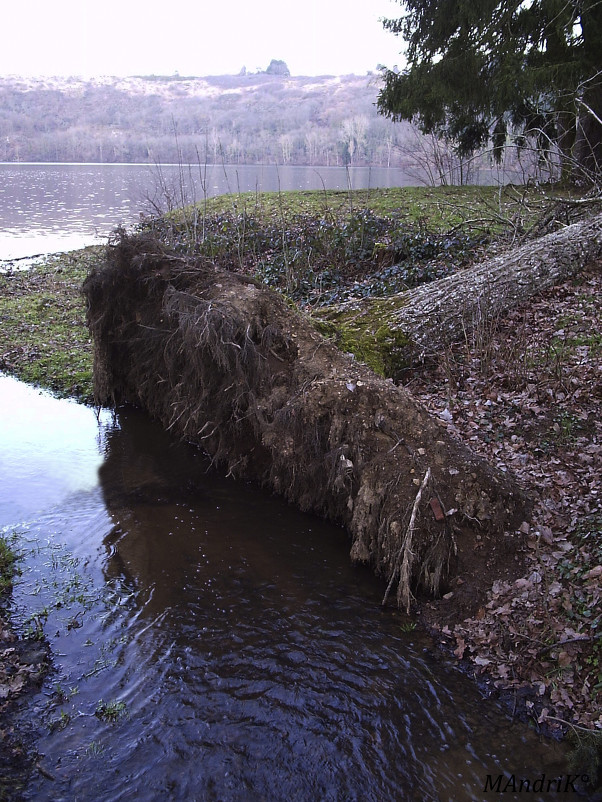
x=438, y=208
x=8, y=561
x=317, y=247
x=43, y=335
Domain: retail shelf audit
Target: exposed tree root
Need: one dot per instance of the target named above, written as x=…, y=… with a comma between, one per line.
x=226, y=364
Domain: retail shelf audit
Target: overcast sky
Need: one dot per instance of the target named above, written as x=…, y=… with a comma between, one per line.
x=133, y=37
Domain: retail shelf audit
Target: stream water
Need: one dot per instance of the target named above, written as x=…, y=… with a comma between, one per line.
x=211, y=643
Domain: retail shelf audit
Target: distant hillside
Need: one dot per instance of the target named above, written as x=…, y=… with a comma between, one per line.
x=247, y=118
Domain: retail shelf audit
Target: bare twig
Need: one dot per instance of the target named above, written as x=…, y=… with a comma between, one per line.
x=571, y=725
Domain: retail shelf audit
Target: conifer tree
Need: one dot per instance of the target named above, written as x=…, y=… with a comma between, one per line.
x=483, y=72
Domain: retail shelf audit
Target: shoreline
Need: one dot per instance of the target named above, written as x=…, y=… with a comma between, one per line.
x=530, y=640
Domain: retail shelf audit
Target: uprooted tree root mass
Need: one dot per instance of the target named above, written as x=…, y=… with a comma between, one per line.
x=226, y=364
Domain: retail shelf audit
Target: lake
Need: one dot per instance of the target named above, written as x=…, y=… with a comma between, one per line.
x=47, y=208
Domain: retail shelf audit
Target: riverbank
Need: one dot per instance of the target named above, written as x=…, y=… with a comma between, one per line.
x=43, y=341
x=23, y=664
x=525, y=393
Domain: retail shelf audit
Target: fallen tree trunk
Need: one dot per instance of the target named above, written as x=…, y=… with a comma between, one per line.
x=226, y=364
x=395, y=332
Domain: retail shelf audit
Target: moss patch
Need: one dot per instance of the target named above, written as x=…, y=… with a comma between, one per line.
x=368, y=335
x=44, y=339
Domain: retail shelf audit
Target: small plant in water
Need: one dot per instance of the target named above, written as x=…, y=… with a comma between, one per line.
x=408, y=626
x=34, y=625
x=110, y=711
x=62, y=694
x=61, y=722
x=8, y=558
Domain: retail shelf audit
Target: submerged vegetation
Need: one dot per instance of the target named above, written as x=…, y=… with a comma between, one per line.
x=110, y=711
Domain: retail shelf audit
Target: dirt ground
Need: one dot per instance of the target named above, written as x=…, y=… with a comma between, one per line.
x=526, y=393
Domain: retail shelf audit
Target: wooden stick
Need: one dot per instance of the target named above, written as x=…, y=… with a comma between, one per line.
x=403, y=563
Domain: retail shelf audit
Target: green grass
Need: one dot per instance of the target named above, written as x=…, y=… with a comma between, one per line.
x=8, y=567
x=44, y=339
x=437, y=208
x=566, y=345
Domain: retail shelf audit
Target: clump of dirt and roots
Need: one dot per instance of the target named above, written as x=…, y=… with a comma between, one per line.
x=228, y=364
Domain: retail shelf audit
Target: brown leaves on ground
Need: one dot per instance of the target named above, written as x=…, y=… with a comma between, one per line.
x=22, y=665
x=526, y=392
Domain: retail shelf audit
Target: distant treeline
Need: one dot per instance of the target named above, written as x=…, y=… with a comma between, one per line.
x=248, y=118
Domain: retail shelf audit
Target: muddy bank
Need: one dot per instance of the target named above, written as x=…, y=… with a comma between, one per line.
x=23, y=665
x=228, y=365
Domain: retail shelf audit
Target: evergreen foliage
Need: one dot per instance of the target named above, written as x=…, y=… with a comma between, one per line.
x=482, y=71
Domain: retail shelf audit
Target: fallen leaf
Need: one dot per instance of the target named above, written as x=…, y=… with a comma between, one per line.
x=595, y=572
x=546, y=535
x=460, y=648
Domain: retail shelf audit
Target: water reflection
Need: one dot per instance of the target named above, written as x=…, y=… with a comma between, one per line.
x=45, y=450
x=253, y=660
x=281, y=676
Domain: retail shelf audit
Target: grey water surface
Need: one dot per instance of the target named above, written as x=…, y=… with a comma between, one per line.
x=46, y=208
